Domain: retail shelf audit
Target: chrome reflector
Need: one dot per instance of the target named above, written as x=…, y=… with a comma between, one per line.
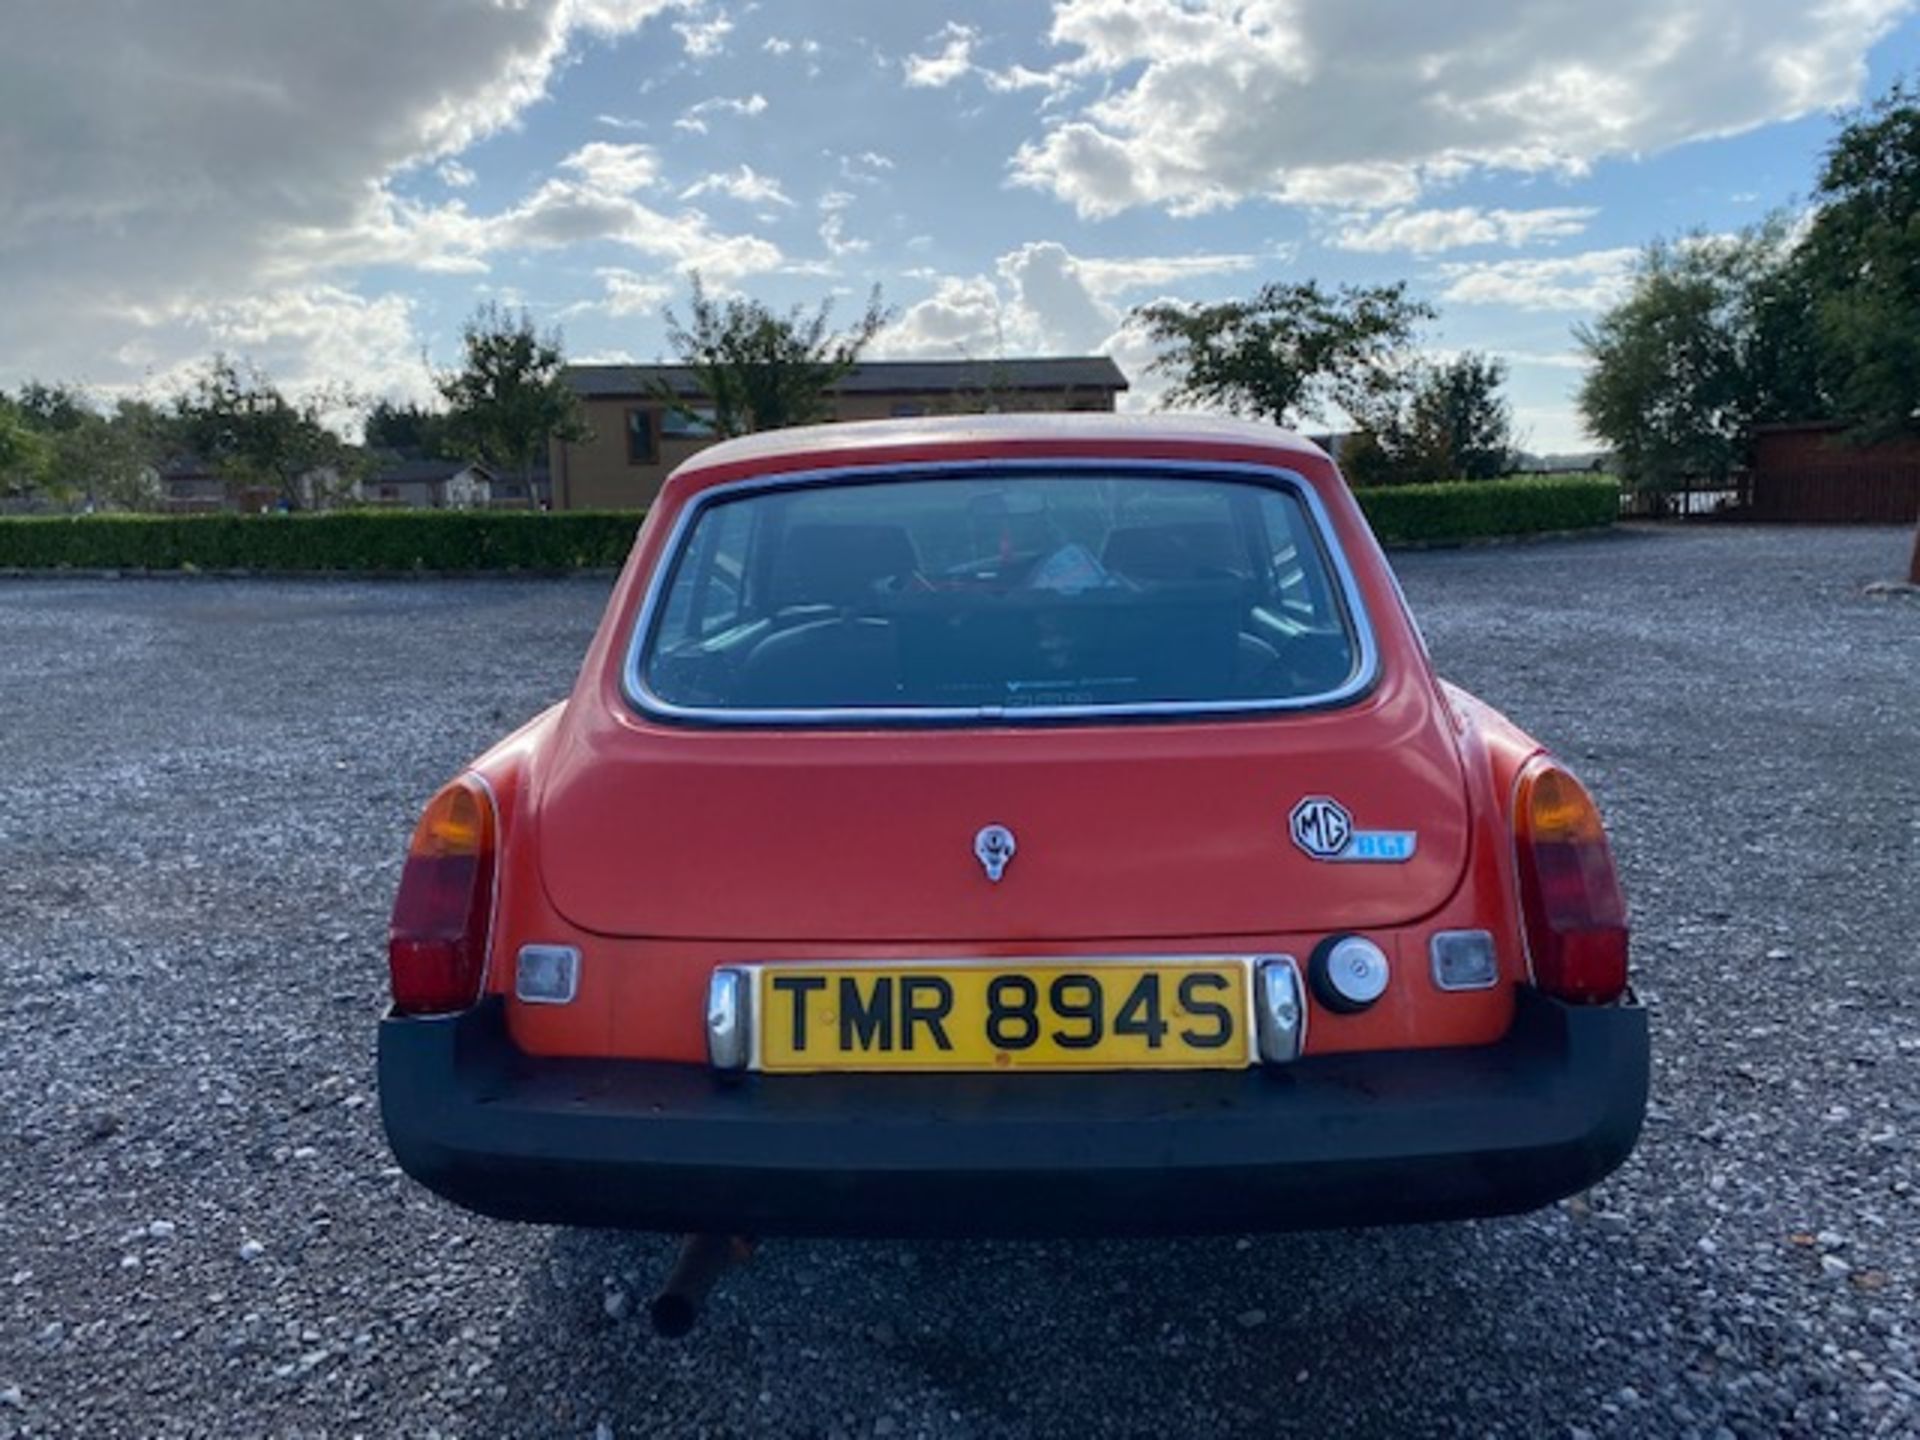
x=729, y=1043
x=547, y=974
x=1280, y=1008
x=1464, y=960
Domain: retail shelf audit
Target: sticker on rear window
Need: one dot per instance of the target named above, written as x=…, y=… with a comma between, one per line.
x=1321, y=826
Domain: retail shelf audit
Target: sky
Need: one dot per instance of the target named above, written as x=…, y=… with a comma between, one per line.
x=329, y=189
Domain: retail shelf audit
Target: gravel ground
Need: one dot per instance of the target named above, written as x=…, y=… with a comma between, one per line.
x=205, y=788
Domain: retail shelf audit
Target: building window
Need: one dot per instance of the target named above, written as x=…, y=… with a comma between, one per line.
x=694, y=422
x=909, y=409
x=641, y=449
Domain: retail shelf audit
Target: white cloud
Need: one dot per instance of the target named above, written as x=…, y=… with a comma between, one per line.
x=454, y=175
x=209, y=176
x=1116, y=276
x=615, y=169
x=307, y=340
x=952, y=60
x=695, y=118
x=1019, y=77
x=1042, y=299
x=631, y=294
x=865, y=168
x=704, y=38
x=744, y=184
x=1428, y=232
x=591, y=199
x=1590, y=281
x=563, y=213
x=1546, y=359
x=833, y=235
x=616, y=17
x=1364, y=104
x=964, y=317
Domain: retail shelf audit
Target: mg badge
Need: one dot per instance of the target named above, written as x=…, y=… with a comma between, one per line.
x=1322, y=827
x=994, y=847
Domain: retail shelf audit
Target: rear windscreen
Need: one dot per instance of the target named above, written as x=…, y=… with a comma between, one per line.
x=999, y=593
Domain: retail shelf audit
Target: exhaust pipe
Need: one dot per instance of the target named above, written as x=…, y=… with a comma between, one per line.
x=702, y=1261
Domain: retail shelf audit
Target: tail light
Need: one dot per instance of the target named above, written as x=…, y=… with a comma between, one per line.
x=1575, y=915
x=437, y=944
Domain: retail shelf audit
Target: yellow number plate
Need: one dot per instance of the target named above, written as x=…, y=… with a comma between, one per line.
x=990, y=1015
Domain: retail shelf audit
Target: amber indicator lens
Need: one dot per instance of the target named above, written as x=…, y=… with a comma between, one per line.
x=437, y=944
x=1575, y=914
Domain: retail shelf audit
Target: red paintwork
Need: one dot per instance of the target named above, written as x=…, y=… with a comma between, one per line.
x=663, y=851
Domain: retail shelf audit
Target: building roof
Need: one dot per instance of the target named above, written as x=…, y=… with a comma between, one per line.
x=770, y=447
x=187, y=467
x=879, y=377
x=417, y=472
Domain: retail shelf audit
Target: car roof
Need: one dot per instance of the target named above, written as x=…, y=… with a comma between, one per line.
x=777, y=449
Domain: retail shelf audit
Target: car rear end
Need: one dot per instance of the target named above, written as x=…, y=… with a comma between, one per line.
x=1010, y=832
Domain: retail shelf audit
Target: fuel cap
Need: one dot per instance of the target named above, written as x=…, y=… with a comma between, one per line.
x=1347, y=973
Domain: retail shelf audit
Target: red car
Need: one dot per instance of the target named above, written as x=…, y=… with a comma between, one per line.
x=1010, y=825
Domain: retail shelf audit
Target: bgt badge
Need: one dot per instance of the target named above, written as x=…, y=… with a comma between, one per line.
x=1321, y=826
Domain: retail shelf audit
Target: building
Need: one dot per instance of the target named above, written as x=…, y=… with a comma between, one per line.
x=431, y=485
x=1813, y=472
x=636, y=436
x=189, y=485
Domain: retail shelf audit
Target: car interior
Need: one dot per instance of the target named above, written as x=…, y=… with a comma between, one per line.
x=1043, y=607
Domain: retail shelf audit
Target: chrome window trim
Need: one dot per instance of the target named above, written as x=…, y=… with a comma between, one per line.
x=493, y=889
x=1365, y=672
x=1513, y=859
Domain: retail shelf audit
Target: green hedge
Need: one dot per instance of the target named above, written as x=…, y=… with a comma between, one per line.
x=349, y=540
x=1483, y=509
x=386, y=541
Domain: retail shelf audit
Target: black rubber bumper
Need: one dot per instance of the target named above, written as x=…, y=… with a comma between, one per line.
x=1344, y=1140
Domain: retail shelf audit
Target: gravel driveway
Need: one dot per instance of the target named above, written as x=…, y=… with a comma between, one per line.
x=205, y=789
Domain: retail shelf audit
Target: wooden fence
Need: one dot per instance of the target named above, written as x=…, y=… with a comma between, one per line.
x=1787, y=497
x=1857, y=495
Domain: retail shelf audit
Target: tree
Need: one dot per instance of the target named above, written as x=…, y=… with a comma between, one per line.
x=1458, y=420
x=509, y=395
x=761, y=370
x=235, y=418
x=1861, y=266
x=51, y=409
x=410, y=429
x=1291, y=351
x=83, y=456
x=1712, y=339
x=23, y=453
x=1452, y=424
x=94, y=457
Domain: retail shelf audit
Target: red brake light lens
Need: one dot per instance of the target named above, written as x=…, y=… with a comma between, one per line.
x=437, y=944
x=1575, y=915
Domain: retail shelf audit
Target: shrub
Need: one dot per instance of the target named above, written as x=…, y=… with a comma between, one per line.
x=401, y=541
x=375, y=541
x=1481, y=509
